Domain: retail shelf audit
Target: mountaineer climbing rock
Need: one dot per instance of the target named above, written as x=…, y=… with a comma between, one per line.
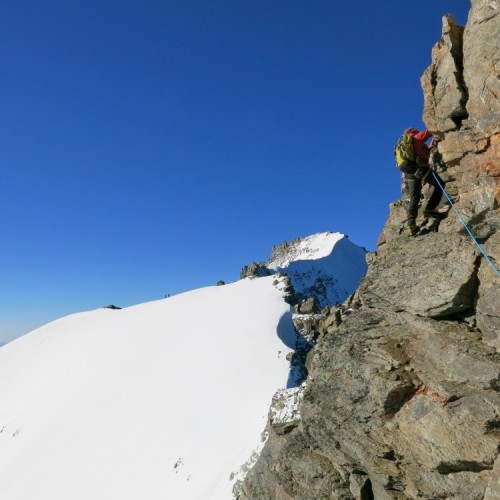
x=418, y=176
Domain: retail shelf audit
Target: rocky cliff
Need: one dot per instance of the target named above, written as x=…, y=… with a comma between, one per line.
x=402, y=399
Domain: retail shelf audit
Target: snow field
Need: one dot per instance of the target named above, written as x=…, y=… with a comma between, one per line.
x=160, y=400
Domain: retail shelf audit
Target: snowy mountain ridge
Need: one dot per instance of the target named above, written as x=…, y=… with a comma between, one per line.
x=326, y=266
x=311, y=247
x=167, y=399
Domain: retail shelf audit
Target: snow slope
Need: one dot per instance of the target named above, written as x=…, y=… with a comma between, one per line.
x=163, y=400
x=327, y=266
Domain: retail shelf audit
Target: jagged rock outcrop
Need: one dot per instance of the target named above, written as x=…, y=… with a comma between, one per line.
x=255, y=270
x=403, y=395
x=443, y=83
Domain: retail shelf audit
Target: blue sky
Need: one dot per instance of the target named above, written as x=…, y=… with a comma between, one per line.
x=151, y=147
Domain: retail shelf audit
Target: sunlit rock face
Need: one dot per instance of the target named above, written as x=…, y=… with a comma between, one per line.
x=402, y=398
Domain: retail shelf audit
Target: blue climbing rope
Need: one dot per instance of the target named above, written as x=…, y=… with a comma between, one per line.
x=465, y=225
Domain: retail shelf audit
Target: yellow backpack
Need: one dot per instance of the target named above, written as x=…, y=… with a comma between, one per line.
x=404, y=154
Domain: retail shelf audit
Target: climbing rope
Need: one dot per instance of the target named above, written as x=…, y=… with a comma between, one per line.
x=465, y=225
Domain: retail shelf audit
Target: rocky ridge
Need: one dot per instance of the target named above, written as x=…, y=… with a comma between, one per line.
x=313, y=272
x=323, y=269
x=403, y=394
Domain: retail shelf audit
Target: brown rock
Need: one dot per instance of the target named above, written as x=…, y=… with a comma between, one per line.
x=444, y=89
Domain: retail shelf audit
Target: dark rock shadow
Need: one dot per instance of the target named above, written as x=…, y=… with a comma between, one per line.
x=301, y=347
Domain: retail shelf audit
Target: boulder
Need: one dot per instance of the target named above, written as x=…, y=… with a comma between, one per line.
x=307, y=306
x=255, y=270
x=428, y=276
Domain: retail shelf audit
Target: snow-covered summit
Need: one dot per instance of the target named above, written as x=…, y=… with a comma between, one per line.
x=311, y=247
x=326, y=266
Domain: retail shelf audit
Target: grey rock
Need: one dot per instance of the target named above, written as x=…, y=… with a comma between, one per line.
x=488, y=302
x=307, y=306
x=284, y=414
x=255, y=270
x=378, y=407
x=442, y=82
x=428, y=276
x=481, y=59
x=493, y=489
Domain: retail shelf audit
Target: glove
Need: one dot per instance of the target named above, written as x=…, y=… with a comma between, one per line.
x=419, y=174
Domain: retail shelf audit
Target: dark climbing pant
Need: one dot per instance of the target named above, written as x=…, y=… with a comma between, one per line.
x=415, y=190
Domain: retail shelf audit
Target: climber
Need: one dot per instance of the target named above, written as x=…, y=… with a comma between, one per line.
x=420, y=177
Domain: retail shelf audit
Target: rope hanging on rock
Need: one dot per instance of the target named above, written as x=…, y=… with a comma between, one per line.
x=465, y=225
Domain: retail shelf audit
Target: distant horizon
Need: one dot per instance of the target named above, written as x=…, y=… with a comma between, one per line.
x=168, y=295
x=151, y=149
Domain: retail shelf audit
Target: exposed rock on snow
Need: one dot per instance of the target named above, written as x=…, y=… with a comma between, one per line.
x=326, y=266
x=255, y=270
x=284, y=414
x=307, y=306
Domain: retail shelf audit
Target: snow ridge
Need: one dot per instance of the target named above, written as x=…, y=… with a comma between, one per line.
x=160, y=400
x=326, y=266
x=168, y=399
x=311, y=247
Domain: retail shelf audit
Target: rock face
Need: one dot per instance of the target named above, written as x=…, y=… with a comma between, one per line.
x=443, y=83
x=481, y=61
x=403, y=394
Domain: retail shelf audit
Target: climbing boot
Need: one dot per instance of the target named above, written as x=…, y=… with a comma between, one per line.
x=412, y=230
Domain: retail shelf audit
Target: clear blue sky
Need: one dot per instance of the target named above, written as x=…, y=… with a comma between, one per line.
x=155, y=146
